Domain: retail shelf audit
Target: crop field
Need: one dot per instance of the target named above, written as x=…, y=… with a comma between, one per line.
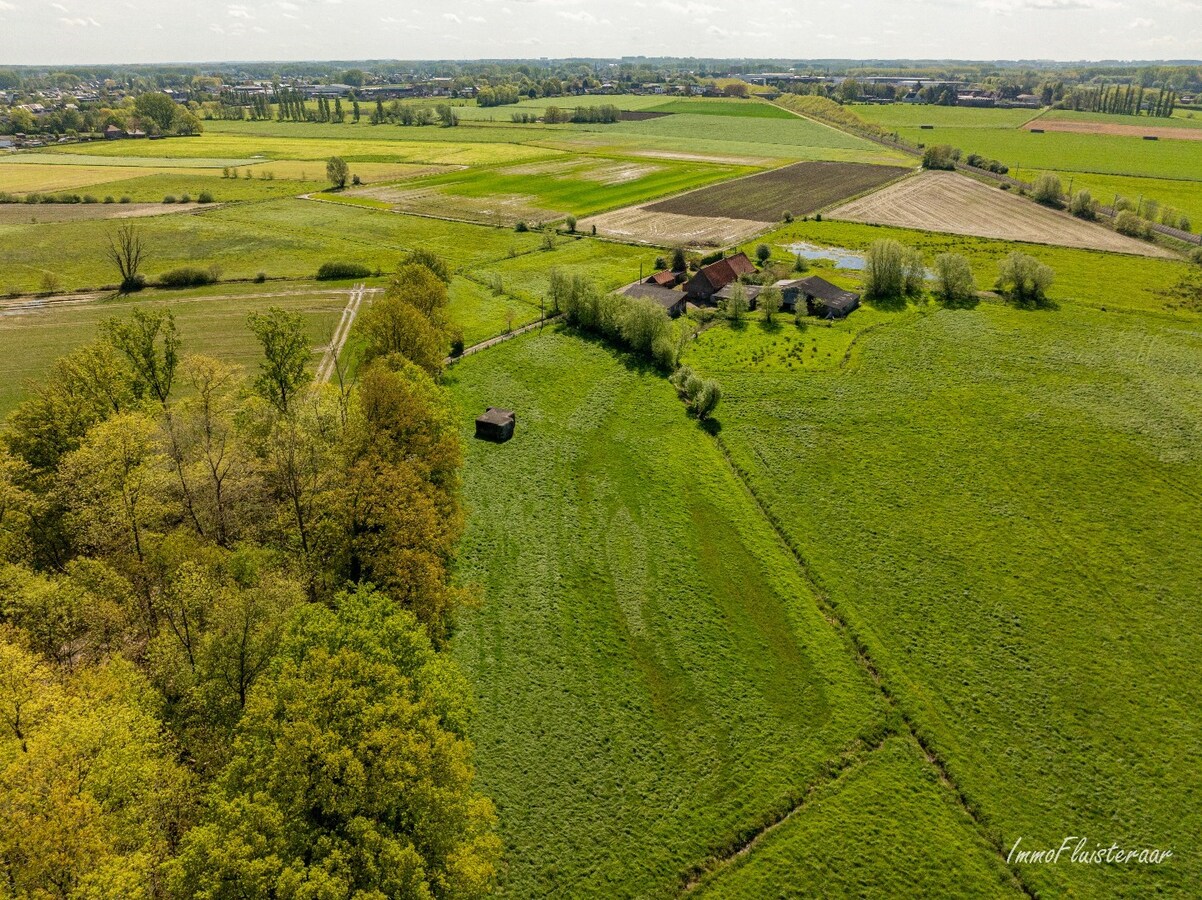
x=32, y=337
x=640, y=225
x=800, y=189
x=951, y=202
x=1084, y=277
x=652, y=675
x=546, y=190
x=1002, y=506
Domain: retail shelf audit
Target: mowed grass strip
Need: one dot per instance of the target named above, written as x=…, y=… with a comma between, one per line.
x=1004, y=506
x=653, y=678
x=799, y=189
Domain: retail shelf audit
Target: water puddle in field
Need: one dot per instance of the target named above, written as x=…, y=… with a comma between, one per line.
x=840, y=256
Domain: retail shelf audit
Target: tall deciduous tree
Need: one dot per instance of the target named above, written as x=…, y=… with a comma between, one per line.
x=337, y=171
x=285, y=355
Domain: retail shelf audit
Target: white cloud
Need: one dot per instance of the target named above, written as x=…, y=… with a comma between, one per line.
x=239, y=11
x=79, y=22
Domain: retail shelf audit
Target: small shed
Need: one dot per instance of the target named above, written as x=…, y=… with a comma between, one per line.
x=821, y=298
x=496, y=425
x=663, y=278
x=751, y=291
x=672, y=301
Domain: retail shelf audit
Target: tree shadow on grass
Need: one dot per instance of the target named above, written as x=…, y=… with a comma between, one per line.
x=710, y=426
x=887, y=304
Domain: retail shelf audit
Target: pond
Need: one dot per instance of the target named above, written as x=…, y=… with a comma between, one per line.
x=842, y=257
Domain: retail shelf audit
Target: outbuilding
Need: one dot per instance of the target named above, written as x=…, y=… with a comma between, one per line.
x=821, y=298
x=717, y=275
x=496, y=424
x=671, y=300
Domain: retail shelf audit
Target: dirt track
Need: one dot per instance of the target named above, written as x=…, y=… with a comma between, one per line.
x=953, y=203
x=1112, y=128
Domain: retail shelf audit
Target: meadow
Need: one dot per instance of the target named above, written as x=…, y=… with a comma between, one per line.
x=654, y=680
x=1000, y=504
x=1185, y=196
x=32, y=337
x=912, y=115
x=1087, y=277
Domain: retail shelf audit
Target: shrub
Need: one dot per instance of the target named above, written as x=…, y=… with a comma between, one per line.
x=188, y=276
x=801, y=264
x=108, y=199
x=521, y=227
x=940, y=156
x=88, y=198
x=355, y=179
x=132, y=284
x=763, y=253
x=660, y=263
x=1083, y=206
x=953, y=280
x=1048, y=190
x=1024, y=279
x=338, y=270
x=1184, y=224
x=125, y=200
x=185, y=199
x=1195, y=256
x=204, y=197
x=1128, y=223
x=169, y=199
x=787, y=217
x=260, y=277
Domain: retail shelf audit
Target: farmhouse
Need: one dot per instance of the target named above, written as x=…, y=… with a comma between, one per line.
x=712, y=278
x=496, y=425
x=672, y=301
x=821, y=298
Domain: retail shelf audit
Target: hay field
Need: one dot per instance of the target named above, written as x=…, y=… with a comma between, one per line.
x=34, y=214
x=950, y=202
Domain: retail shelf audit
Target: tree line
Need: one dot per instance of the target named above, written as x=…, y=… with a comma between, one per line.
x=223, y=598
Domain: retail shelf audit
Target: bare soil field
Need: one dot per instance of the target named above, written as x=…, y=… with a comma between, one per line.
x=1079, y=127
x=800, y=189
x=496, y=209
x=955, y=204
x=39, y=213
x=644, y=225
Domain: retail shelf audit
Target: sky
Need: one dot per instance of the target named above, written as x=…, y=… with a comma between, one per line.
x=60, y=32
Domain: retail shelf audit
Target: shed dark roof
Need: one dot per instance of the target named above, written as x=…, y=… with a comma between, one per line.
x=665, y=297
x=752, y=291
x=496, y=416
x=820, y=289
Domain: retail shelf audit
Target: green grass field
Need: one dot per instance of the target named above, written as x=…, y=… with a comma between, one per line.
x=209, y=323
x=653, y=677
x=1089, y=277
x=907, y=115
x=996, y=501
x=886, y=828
x=1183, y=195
x=1025, y=152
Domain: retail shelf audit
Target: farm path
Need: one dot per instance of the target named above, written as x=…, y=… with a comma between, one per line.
x=501, y=338
x=328, y=361
x=32, y=303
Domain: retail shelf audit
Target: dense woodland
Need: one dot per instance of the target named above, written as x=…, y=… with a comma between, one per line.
x=223, y=600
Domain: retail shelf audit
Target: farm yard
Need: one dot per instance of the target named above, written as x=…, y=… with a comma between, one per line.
x=951, y=202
